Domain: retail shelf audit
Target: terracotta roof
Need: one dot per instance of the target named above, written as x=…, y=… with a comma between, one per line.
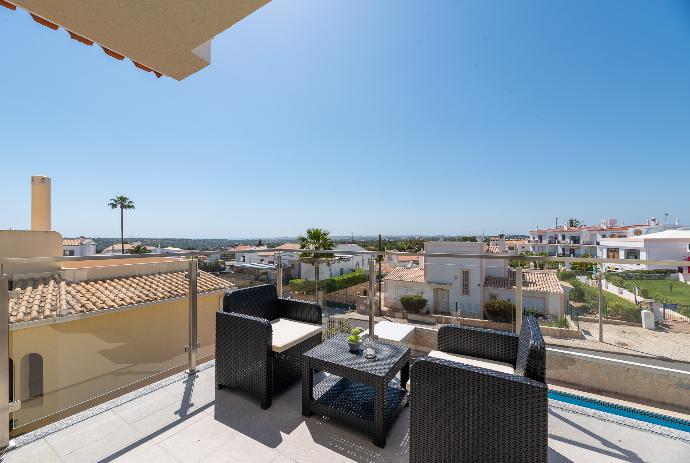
x=493, y=249
x=408, y=258
x=545, y=282
x=53, y=297
x=117, y=247
x=288, y=246
x=77, y=241
x=415, y=275
x=590, y=228
x=244, y=247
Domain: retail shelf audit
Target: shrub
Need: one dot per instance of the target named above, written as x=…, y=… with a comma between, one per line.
x=300, y=285
x=499, y=311
x=614, y=306
x=330, y=284
x=583, y=267
x=413, y=302
x=566, y=275
x=345, y=281
x=532, y=312
x=335, y=326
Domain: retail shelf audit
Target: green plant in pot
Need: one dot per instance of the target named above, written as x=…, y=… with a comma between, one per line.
x=354, y=341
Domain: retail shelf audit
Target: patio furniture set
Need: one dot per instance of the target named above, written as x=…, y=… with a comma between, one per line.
x=481, y=396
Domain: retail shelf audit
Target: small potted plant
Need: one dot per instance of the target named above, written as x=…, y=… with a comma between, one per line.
x=354, y=341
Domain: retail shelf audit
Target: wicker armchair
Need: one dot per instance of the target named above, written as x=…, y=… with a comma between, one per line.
x=250, y=354
x=467, y=405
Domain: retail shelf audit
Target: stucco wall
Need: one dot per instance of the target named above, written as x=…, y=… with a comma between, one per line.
x=24, y=243
x=626, y=380
x=86, y=357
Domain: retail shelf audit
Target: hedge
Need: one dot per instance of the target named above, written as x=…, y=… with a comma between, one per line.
x=642, y=275
x=499, y=311
x=413, y=302
x=330, y=284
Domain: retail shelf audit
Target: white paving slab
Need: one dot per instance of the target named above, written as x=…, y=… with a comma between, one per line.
x=189, y=421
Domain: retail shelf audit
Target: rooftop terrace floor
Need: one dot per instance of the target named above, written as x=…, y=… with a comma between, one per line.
x=184, y=419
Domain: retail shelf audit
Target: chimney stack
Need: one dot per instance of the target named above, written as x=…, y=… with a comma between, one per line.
x=40, y=203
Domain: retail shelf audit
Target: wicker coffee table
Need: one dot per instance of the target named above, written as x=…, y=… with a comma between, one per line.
x=358, y=391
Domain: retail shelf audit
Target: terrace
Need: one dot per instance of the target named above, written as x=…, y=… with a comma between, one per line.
x=185, y=419
x=126, y=404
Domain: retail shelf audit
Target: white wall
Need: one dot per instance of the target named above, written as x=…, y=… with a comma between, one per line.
x=550, y=303
x=449, y=270
x=394, y=290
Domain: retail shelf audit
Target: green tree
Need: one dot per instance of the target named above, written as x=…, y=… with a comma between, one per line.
x=121, y=202
x=583, y=266
x=138, y=249
x=575, y=223
x=316, y=239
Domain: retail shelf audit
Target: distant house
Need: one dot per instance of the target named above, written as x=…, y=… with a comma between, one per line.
x=576, y=241
x=664, y=245
x=403, y=261
x=341, y=264
x=117, y=248
x=78, y=247
x=463, y=285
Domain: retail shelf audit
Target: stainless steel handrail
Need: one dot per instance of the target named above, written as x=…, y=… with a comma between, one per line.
x=487, y=256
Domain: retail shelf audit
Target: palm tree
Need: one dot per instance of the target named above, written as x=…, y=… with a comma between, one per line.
x=316, y=239
x=575, y=223
x=121, y=202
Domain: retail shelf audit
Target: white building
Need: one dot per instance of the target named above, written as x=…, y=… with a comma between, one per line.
x=78, y=247
x=576, y=241
x=462, y=286
x=665, y=245
x=341, y=264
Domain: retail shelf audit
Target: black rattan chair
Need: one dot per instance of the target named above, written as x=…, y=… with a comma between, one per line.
x=245, y=356
x=465, y=413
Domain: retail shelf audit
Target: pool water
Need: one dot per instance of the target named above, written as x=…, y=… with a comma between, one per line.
x=620, y=410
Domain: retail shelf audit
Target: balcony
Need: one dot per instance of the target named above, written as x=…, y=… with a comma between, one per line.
x=109, y=393
x=183, y=419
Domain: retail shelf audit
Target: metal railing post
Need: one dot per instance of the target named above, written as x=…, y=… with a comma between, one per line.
x=601, y=308
x=4, y=369
x=518, y=299
x=192, y=348
x=372, y=296
x=279, y=276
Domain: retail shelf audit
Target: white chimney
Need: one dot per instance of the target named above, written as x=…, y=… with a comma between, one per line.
x=40, y=203
x=502, y=243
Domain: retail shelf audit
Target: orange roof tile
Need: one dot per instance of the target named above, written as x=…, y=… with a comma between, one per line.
x=415, y=275
x=546, y=282
x=37, y=299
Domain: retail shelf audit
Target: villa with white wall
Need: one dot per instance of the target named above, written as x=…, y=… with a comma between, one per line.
x=462, y=286
x=577, y=241
x=78, y=247
x=664, y=245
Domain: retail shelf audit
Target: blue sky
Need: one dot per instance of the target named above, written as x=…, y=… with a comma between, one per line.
x=387, y=116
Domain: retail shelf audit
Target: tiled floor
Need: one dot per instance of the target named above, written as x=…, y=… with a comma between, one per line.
x=189, y=421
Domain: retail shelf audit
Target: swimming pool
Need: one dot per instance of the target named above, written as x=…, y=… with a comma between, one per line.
x=621, y=410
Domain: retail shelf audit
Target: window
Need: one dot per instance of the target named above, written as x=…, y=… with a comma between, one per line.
x=612, y=253
x=32, y=376
x=688, y=247
x=68, y=252
x=465, y=282
x=632, y=253
x=11, y=377
x=493, y=297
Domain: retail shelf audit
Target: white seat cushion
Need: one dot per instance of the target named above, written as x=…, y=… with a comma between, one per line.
x=474, y=361
x=288, y=333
